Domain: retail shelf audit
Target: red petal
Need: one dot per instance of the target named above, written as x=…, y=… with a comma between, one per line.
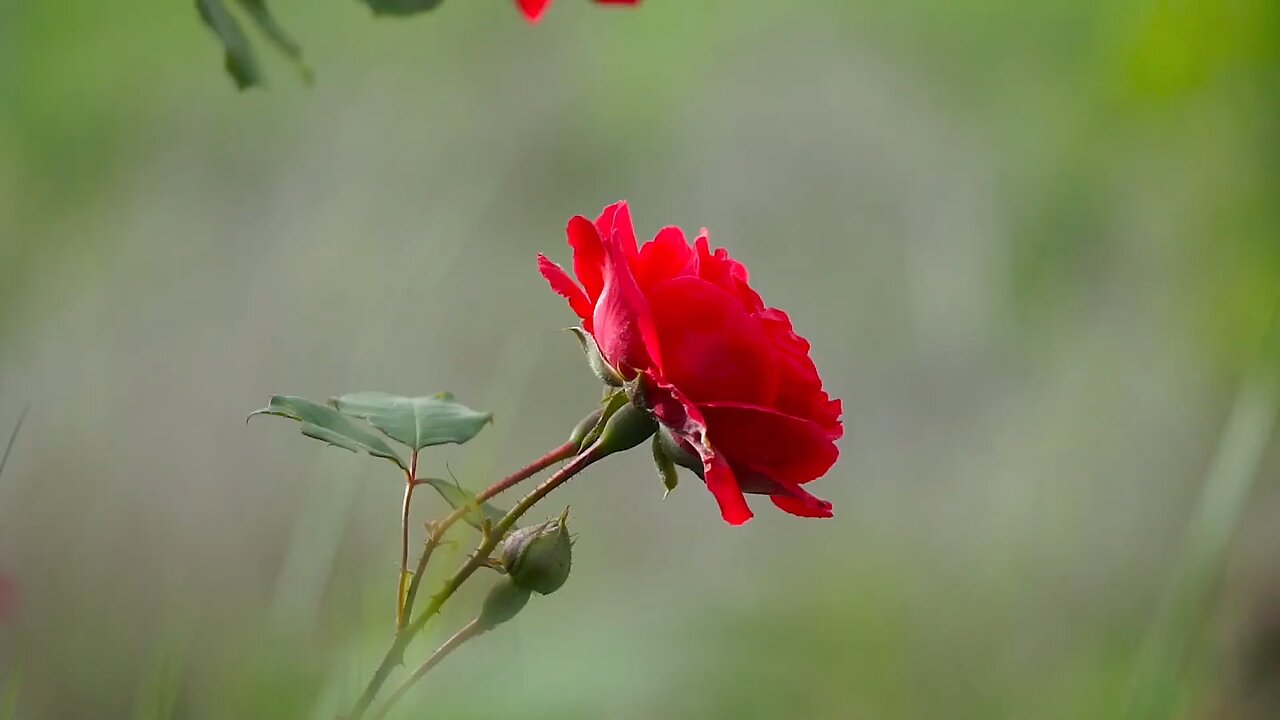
x=588, y=255
x=724, y=488
x=725, y=272
x=803, y=505
x=616, y=218
x=800, y=388
x=711, y=348
x=624, y=326
x=564, y=285
x=784, y=448
x=787, y=496
x=667, y=256
x=674, y=410
x=533, y=9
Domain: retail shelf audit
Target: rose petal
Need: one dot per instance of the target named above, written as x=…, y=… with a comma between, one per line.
x=616, y=218
x=803, y=504
x=711, y=348
x=724, y=488
x=784, y=448
x=667, y=256
x=725, y=272
x=800, y=388
x=623, y=323
x=588, y=255
x=788, y=496
x=564, y=286
x=533, y=9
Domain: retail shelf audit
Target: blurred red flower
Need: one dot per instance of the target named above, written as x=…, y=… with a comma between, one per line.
x=533, y=9
x=726, y=375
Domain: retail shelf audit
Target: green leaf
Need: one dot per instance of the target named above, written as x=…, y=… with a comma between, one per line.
x=417, y=422
x=240, y=61
x=266, y=22
x=401, y=7
x=458, y=498
x=328, y=425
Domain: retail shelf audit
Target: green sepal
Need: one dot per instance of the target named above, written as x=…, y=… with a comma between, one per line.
x=595, y=360
x=665, y=465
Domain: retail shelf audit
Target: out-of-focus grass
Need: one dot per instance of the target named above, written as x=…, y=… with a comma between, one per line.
x=1161, y=668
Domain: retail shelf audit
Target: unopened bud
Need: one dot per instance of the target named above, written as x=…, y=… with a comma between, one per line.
x=626, y=428
x=538, y=557
x=502, y=603
x=585, y=431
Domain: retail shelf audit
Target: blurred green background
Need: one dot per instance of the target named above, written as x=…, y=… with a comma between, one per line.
x=1035, y=246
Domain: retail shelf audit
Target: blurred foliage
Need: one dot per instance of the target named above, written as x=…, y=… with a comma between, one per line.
x=1034, y=245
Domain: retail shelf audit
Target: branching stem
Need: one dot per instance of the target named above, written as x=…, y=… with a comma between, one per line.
x=395, y=654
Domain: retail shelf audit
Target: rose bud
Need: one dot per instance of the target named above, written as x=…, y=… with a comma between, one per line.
x=626, y=428
x=503, y=602
x=585, y=432
x=538, y=557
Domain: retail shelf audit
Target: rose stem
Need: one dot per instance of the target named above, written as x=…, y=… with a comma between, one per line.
x=411, y=481
x=436, y=534
x=468, y=631
x=395, y=653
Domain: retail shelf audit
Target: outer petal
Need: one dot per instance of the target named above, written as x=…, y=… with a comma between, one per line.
x=783, y=448
x=667, y=256
x=674, y=410
x=588, y=255
x=533, y=9
x=788, y=497
x=623, y=324
x=711, y=348
x=564, y=285
x=800, y=387
x=724, y=488
x=803, y=504
x=616, y=218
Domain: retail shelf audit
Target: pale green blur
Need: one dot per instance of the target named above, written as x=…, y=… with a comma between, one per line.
x=1035, y=245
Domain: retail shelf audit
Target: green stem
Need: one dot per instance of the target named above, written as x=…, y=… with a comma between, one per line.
x=470, y=630
x=395, y=653
x=411, y=482
x=437, y=531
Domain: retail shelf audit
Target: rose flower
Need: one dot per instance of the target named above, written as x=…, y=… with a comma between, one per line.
x=726, y=376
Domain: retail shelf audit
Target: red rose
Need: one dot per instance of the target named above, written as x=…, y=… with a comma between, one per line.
x=533, y=9
x=725, y=374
